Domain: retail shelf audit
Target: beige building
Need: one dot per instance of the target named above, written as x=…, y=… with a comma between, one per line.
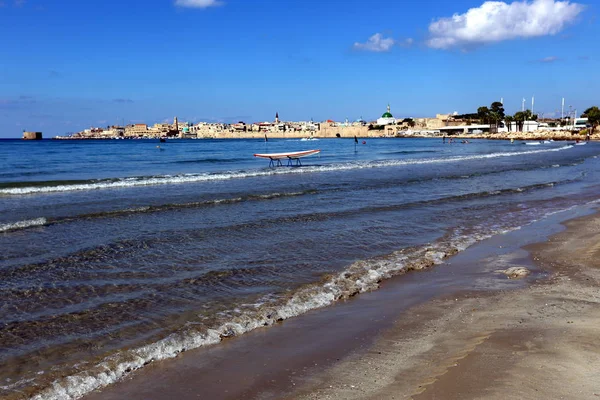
x=114, y=131
x=138, y=130
x=32, y=135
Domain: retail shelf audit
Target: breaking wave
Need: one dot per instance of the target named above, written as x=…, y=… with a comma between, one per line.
x=23, y=224
x=270, y=196
x=149, y=209
x=23, y=188
x=361, y=276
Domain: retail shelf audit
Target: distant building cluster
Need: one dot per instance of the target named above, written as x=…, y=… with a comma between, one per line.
x=190, y=130
x=386, y=125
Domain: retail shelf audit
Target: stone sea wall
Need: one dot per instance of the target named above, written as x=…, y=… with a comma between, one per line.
x=325, y=131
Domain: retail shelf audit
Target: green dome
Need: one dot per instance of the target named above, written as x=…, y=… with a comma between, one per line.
x=387, y=115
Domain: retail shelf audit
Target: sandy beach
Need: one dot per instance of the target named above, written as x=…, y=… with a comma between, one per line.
x=524, y=339
x=532, y=343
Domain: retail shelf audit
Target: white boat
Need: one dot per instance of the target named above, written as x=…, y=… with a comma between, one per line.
x=533, y=143
x=306, y=139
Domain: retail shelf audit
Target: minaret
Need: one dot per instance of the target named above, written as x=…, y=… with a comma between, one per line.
x=176, y=125
x=277, y=117
x=388, y=109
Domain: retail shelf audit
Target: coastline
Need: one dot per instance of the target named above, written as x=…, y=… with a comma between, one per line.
x=362, y=134
x=454, y=343
x=535, y=342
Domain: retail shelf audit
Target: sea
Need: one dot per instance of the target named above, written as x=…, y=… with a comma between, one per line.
x=119, y=253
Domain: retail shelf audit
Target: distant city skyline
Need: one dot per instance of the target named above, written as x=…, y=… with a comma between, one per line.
x=69, y=65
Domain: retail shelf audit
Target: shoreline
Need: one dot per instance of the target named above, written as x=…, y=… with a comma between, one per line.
x=407, y=342
x=564, y=135
x=555, y=136
x=535, y=342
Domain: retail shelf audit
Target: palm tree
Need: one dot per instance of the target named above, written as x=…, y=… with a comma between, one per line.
x=509, y=119
x=520, y=118
x=529, y=116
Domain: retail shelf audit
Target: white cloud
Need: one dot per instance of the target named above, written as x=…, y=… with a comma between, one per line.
x=495, y=21
x=549, y=59
x=376, y=43
x=197, y=3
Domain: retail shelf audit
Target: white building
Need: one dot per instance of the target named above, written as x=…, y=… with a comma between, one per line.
x=387, y=118
x=528, y=126
x=579, y=123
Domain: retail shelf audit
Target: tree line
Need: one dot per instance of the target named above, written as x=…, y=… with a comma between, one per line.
x=494, y=115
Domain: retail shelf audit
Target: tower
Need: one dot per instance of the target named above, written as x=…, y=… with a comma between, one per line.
x=277, y=117
x=175, y=124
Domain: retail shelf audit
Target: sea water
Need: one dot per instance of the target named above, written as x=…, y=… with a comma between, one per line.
x=118, y=253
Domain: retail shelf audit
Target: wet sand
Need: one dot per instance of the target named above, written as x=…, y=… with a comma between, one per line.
x=457, y=331
x=539, y=342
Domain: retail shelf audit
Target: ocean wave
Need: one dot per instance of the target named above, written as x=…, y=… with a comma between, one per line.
x=359, y=277
x=276, y=195
x=457, y=197
x=196, y=204
x=13, y=226
x=24, y=188
x=209, y=161
x=150, y=209
x=412, y=151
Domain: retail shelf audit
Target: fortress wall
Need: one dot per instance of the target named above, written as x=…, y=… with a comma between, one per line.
x=32, y=135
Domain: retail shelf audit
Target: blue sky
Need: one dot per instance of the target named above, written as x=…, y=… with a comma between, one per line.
x=70, y=64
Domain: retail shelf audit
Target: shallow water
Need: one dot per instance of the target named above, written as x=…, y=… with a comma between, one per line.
x=117, y=253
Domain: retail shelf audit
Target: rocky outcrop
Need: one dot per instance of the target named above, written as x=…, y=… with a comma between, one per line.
x=537, y=135
x=515, y=272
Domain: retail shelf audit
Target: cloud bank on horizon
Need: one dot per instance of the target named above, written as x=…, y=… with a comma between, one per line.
x=496, y=21
x=197, y=3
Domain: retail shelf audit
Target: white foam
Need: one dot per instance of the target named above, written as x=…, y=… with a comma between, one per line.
x=23, y=224
x=193, y=178
x=359, y=277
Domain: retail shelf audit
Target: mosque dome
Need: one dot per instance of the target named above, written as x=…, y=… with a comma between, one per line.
x=388, y=113
x=387, y=118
